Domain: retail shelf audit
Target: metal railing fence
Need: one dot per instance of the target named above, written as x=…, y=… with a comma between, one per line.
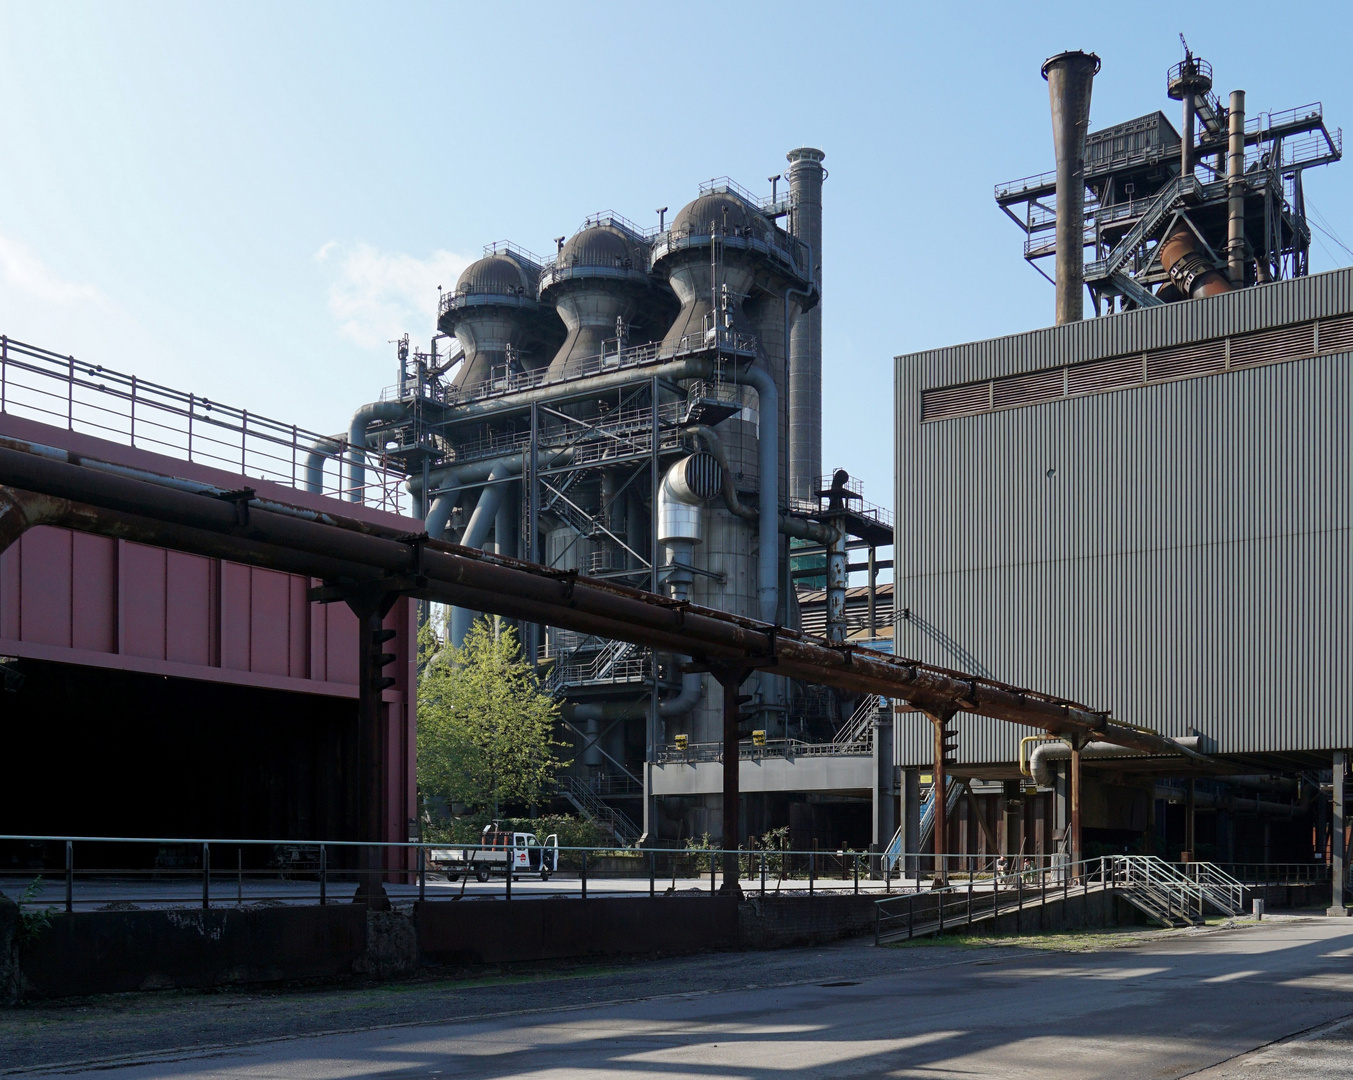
x=38, y=384
x=84, y=873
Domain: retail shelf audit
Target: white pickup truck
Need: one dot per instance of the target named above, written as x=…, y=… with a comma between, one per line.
x=497, y=850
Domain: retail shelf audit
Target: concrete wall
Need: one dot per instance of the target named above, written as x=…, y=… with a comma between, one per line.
x=841, y=774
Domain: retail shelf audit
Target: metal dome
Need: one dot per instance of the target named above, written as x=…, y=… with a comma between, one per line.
x=727, y=211
x=600, y=245
x=500, y=274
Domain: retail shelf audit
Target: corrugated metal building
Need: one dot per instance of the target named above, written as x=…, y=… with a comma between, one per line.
x=1147, y=512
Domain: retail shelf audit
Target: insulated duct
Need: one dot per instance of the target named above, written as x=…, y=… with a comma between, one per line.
x=1070, y=76
x=1044, y=754
x=362, y=419
x=685, y=488
x=477, y=531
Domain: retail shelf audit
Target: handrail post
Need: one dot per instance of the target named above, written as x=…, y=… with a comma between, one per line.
x=763, y=875
x=511, y=866
x=652, y=873
x=70, y=875
x=812, y=871
x=857, y=873
x=323, y=876
x=206, y=876
x=239, y=876
x=713, y=866
x=583, y=875
x=422, y=874
x=970, y=871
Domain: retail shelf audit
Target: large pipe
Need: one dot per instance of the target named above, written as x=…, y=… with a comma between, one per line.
x=361, y=420
x=1235, y=191
x=315, y=456
x=799, y=528
x=357, y=551
x=1043, y=755
x=1233, y=803
x=805, y=339
x=1070, y=76
x=476, y=532
x=1191, y=272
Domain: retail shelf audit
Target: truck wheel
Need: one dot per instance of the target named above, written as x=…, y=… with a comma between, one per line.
x=544, y=875
x=452, y=877
x=481, y=876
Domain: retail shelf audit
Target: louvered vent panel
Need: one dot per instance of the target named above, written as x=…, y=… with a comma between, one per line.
x=1028, y=389
x=955, y=401
x=1336, y=335
x=1270, y=346
x=1110, y=374
x=1186, y=362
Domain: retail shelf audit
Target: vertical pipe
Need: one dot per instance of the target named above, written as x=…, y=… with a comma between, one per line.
x=873, y=595
x=730, y=685
x=1075, y=806
x=805, y=340
x=70, y=875
x=1338, y=848
x=838, y=579
x=1070, y=76
x=1187, y=156
x=939, y=796
x=1235, y=191
x=323, y=875
x=1190, y=804
x=206, y=876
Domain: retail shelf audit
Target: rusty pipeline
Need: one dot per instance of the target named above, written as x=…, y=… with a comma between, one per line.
x=46, y=491
x=1191, y=272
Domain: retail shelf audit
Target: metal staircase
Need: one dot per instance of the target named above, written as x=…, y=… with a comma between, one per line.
x=1167, y=200
x=1173, y=896
x=586, y=802
x=892, y=854
x=858, y=731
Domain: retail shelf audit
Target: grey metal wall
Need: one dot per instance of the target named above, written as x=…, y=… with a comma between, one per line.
x=1177, y=553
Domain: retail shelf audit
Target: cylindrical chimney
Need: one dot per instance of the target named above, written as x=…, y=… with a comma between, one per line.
x=805, y=339
x=1235, y=191
x=1070, y=75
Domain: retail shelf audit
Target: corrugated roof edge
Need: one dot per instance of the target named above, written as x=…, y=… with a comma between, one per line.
x=1317, y=296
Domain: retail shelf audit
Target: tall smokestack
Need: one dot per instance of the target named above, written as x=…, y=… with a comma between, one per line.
x=805, y=340
x=1070, y=76
x=1235, y=191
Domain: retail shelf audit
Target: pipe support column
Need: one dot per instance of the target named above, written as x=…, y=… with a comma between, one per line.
x=1338, y=841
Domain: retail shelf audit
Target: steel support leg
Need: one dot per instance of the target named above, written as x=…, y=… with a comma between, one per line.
x=1338, y=864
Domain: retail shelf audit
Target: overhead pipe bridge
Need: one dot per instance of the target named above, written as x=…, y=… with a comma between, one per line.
x=367, y=565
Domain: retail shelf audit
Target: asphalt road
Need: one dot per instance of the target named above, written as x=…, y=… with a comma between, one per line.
x=1253, y=1003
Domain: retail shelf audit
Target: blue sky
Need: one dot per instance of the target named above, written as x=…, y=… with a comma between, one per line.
x=249, y=200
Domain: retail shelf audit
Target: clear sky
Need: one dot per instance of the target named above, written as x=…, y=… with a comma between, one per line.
x=250, y=200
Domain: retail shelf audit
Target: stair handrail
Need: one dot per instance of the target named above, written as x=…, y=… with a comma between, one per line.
x=861, y=722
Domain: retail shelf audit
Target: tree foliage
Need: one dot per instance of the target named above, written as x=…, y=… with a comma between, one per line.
x=485, y=727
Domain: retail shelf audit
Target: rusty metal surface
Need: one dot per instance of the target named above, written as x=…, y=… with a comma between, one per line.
x=447, y=573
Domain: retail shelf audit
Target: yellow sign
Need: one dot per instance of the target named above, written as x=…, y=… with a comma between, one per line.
x=682, y=741
x=758, y=738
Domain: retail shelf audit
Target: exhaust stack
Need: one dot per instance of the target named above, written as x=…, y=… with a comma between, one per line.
x=1235, y=191
x=1070, y=75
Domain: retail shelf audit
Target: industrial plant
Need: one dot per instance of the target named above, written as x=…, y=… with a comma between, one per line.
x=1146, y=510
x=644, y=406
x=1120, y=622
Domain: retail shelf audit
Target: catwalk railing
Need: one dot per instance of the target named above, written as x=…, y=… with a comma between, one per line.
x=88, y=873
x=40, y=385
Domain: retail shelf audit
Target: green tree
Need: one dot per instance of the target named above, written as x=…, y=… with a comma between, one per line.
x=485, y=727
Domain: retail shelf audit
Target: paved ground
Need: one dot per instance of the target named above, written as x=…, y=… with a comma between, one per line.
x=1159, y=1005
